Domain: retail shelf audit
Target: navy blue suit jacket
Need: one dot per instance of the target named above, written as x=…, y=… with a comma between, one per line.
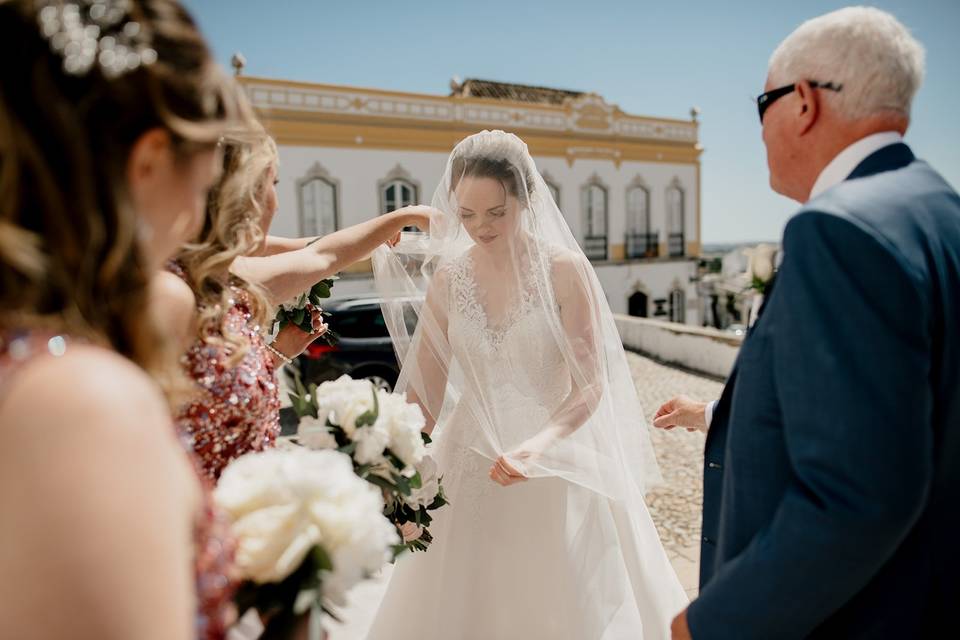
x=832, y=466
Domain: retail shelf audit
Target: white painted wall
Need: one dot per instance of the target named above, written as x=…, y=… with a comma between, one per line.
x=657, y=176
x=656, y=279
x=359, y=170
x=699, y=349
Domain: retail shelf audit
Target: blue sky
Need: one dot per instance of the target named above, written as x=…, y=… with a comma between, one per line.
x=650, y=58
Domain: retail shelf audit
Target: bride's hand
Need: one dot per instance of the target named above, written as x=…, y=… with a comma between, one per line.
x=506, y=473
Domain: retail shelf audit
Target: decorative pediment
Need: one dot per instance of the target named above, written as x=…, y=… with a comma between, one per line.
x=398, y=173
x=317, y=170
x=590, y=112
x=638, y=181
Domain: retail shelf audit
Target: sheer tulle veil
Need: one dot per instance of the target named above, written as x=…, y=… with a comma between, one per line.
x=595, y=434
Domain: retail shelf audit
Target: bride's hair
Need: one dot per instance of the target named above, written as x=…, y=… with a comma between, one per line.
x=231, y=229
x=515, y=182
x=69, y=251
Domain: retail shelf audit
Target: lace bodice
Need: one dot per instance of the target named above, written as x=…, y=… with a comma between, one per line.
x=517, y=361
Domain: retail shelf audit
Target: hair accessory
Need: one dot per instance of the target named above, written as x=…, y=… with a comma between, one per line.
x=89, y=32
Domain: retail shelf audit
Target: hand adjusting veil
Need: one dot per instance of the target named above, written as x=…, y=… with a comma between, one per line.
x=500, y=323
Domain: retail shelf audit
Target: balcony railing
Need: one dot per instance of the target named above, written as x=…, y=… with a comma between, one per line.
x=642, y=245
x=595, y=247
x=676, y=245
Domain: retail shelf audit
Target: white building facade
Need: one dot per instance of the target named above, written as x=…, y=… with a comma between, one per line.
x=629, y=186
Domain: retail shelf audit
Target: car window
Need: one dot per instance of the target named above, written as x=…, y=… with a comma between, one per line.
x=360, y=323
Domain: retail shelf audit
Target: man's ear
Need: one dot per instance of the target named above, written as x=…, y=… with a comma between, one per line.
x=808, y=108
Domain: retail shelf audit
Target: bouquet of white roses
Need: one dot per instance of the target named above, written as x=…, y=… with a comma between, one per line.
x=307, y=530
x=296, y=311
x=383, y=434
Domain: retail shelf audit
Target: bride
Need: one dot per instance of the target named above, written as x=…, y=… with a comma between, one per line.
x=538, y=433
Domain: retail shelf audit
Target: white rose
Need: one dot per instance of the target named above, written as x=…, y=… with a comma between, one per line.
x=314, y=434
x=343, y=401
x=430, y=484
x=371, y=442
x=283, y=503
x=404, y=422
x=761, y=264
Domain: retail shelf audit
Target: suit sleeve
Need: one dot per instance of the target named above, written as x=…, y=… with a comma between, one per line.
x=851, y=363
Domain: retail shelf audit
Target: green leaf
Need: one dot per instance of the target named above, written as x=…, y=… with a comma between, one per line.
x=322, y=559
x=298, y=383
x=383, y=483
x=298, y=316
x=416, y=481
x=370, y=417
x=403, y=485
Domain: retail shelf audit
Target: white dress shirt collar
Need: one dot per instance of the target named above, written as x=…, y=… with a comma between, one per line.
x=847, y=160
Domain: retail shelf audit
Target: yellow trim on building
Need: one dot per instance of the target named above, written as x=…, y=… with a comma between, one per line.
x=372, y=133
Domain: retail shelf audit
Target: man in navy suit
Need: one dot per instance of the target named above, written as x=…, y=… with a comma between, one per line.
x=832, y=464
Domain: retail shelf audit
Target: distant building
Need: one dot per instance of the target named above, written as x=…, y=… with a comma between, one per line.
x=629, y=186
x=728, y=295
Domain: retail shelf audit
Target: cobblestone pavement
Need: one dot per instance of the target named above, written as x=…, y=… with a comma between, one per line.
x=674, y=506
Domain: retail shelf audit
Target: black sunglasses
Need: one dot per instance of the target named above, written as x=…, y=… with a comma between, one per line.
x=764, y=100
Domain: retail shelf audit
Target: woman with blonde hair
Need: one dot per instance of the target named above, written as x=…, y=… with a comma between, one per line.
x=109, y=118
x=231, y=278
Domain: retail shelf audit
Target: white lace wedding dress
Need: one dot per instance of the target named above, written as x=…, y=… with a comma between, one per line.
x=546, y=558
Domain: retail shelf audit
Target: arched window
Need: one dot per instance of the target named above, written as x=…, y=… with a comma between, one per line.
x=317, y=194
x=675, y=219
x=595, y=219
x=640, y=241
x=397, y=194
x=638, y=304
x=398, y=190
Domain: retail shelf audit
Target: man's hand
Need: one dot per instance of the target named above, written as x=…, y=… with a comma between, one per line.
x=682, y=411
x=679, y=629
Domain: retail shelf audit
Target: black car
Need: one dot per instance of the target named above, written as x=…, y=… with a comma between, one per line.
x=363, y=349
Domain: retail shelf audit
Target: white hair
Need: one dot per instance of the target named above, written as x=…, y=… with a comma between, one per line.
x=866, y=50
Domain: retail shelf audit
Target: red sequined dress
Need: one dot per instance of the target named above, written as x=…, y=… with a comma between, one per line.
x=237, y=408
x=213, y=546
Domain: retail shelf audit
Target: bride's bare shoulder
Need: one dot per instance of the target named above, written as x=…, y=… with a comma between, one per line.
x=566, y=262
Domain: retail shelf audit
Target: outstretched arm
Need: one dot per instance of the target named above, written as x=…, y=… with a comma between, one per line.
x=273, y=245
x=288, y=274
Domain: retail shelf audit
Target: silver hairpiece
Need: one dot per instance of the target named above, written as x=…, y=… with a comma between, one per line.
x=88, y=32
